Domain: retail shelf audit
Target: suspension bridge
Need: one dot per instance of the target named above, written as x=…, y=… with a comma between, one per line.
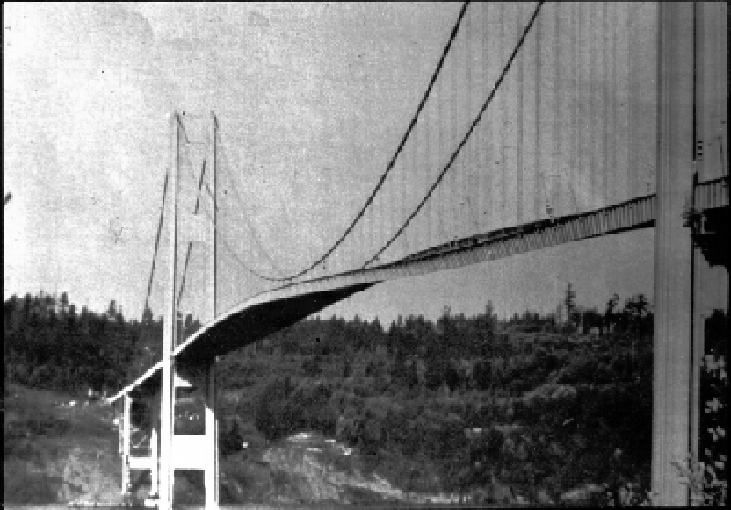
x=541, y=124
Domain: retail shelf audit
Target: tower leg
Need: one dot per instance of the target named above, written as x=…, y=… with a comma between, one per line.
x=211, y=463
x=155, y=453
x=212, y=481
x=167, y=400
x=673, y=267
x=126, y=432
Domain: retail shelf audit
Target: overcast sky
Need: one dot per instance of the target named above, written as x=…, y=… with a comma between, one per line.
x=311, y=100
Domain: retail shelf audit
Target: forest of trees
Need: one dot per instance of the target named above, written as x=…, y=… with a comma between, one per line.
x=50, y=344
x=459, y=404
x=549, y=408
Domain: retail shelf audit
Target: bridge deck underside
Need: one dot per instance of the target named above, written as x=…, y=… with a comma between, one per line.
x=259, y=320
x=281, y=307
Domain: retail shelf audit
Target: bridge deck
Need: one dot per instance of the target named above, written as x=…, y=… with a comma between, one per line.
x=281, y=307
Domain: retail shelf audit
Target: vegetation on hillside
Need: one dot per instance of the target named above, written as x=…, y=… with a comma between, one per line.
x=532, y=406
x=465, y=404
x=50, y=344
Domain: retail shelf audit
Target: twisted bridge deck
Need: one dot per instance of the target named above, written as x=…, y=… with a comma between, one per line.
x=281, y=307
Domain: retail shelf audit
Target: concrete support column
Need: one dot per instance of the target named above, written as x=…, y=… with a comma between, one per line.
x=211, y=461
x=673, y=266
x=155, y=452
x=154, y=473
x=126, y=443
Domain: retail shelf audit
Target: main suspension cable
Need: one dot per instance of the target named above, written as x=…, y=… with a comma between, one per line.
x=391, y=163
x=190, y=243
x=221, y=240
x=474, y=124
x=157, y=242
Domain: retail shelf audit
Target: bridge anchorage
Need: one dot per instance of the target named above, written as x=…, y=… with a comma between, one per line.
x=505, y=169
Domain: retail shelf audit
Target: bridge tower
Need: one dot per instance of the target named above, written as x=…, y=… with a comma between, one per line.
x=692, y=110
x=194, y=452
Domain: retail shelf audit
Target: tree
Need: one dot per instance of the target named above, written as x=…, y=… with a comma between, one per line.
x=147, y=315
x=398, y=371
x=376, y=327
x=490, y=312
x=452, y=377
x=435, y=373
x=609, y=318
x=9, y=309
x=570, y=301
x=412, y=376
x=591, y=319
x=273, y=416
x=27, y=303
x=312, y=366
x=482, y=375
x=445, y=321
x=112, y=310
x=637, y=310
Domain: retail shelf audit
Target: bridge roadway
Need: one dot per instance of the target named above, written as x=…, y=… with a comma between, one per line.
x=278, y=308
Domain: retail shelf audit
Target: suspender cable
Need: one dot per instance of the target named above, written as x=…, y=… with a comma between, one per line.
x=469, y=160
x=485, y=157
x=613, y=101
x=557, y=111
x=574, y=105
x=519, y=122
x=605, y=108
x=493, y=130
x=539, y=199
x=501, y=130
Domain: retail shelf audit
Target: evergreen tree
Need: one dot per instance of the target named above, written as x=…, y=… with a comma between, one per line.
x=112, y=309
x=570, y=302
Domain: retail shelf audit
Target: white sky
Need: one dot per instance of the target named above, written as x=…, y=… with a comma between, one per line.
x=301, y=91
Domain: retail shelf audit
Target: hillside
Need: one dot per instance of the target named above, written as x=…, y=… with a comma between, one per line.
x=543, y=423
x=489, y=411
